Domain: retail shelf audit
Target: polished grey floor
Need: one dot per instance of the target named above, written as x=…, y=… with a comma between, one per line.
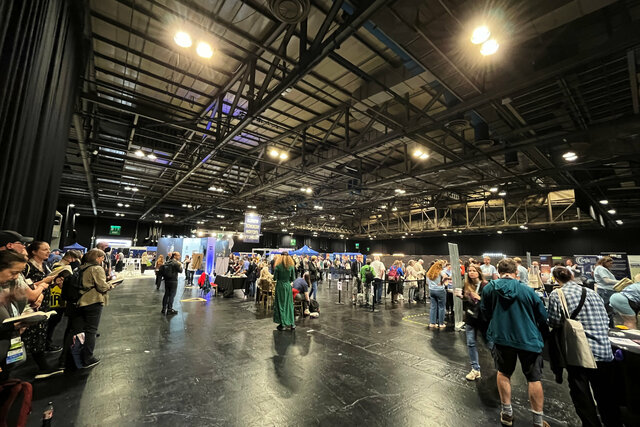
x=221, y=362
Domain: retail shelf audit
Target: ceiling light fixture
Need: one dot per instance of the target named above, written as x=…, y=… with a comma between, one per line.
x=394, y=209
x=127, y=205
x=502, y=193
x=574, y=228
x=494, y=189
x=135, y=189
x=120, y=205
x=127, y=188
x=499, y=231
x=489, y=47
x=283, y=156
x=604, y=202
x=619, y=221
x=611, y=211
x=480, y=34
x=152, y=156
x=400, y=191
x=182, y=39
x=274, y=153
x=139, y=153
x=204, y=50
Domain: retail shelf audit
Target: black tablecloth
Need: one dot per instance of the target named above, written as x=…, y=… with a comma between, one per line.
x=628, y=369
x=226, y=285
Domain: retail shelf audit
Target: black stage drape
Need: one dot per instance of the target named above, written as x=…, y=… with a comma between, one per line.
x=40, y=63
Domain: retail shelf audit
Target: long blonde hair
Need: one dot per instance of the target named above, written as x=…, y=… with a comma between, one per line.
x=435, y=270
x=285, y=260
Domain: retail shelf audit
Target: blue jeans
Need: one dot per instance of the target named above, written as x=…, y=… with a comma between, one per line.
x=314, y=289
x=471, y=346
x=377, y=286
x=438, y=298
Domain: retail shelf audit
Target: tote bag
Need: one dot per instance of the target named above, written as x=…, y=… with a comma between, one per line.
x=575, y=344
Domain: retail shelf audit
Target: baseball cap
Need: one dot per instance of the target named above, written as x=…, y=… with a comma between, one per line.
x=10, y=236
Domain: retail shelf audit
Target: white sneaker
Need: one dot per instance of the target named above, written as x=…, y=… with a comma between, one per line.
x=473, y=375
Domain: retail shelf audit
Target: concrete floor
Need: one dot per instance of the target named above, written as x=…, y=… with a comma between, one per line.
x=221, y=362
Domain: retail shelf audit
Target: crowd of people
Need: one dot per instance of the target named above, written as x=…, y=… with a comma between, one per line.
x=512, y=309
x=33, y=281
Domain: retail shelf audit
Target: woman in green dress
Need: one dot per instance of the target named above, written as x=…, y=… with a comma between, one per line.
x=284, y=274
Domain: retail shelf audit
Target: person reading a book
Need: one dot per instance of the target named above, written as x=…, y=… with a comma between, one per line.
x=12, y=302
x=89, y=307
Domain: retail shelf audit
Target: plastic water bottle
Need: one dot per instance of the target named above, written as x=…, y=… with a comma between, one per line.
x=47, y=415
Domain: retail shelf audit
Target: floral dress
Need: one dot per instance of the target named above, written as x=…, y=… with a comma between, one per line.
x=35, y=337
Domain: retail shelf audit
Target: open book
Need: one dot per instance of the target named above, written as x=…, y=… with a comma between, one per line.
x=116, y=282
x=28, y=318
x=622, y=283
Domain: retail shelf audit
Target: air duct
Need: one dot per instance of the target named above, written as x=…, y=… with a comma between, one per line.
x=290, y=11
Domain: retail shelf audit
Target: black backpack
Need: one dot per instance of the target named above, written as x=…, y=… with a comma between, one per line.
x=368, y=275
x=72, y=288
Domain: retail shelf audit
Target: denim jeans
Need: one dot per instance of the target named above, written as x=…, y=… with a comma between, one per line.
x=438, y=298
x=471, y=346
x=314, y=289
x=377, y=285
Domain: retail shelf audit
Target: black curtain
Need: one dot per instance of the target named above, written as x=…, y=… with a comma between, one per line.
x=40, y=63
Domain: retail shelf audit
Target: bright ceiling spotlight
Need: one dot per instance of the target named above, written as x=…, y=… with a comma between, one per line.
x=489, y=47
x=309, y=190
x=444, y=234
x=284, y=230
x=134, y=189
x=502, y=193
x=274, y=153
x=574, y=228
x=139, y=153
x=127, y=205
x=182, y=39
x=332, y=218
x=400, y=191
x=611, y=211
x=219, y=190
x=212, y=188
x=120, y=205
x=189, y=206
x=204, y=50
x=604, y=202
x=184, y=205
x=152, y=156
x=417, y=152
x=619, y=221
x=480, y=35
x=494, y=189
x=570, y=156
x=424, y=156
x=499, y=231
x=284, y=156
x=394, y=209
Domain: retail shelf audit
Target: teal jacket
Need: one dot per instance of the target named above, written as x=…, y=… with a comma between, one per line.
x=515, y=313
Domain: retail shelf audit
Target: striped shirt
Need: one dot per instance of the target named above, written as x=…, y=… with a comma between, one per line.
x=593, y=317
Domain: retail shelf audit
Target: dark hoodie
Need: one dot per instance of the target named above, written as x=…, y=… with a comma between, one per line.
x=516, y=314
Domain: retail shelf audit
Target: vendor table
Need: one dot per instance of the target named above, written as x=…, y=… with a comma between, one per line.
x=227, y=284
x=627, y=369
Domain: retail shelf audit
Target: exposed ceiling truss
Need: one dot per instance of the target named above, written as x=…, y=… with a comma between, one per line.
x=348, y=95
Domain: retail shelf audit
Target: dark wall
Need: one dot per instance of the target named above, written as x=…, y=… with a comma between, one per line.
x=41, y=58
x=542, y=242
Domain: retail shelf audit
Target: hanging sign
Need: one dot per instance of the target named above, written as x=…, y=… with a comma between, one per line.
x=252, y=223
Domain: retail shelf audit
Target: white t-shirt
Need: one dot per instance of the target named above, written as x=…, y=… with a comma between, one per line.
x=488, y=271
x=378, y=269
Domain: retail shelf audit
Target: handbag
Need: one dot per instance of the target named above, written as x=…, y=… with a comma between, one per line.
x=575, y=346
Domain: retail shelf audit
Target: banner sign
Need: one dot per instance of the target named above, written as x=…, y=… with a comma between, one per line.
x=634, y=262
x=620, y=267
x=252, y=223
x=586, y=264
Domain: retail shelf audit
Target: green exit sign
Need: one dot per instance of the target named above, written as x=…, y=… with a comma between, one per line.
x=368, y=249
x=114, y=230
x=357, y=245
x=293, y=242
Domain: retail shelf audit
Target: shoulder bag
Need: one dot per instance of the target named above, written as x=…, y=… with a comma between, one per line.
x=574, y=340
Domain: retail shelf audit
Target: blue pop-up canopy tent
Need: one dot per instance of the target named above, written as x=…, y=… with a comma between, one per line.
x=75, y=246
x=305, y=250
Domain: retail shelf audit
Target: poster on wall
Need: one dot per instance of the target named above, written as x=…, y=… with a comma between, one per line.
x=634, y=264
x=545, y=268
x=620, y=267
x=252, y=223
x=586, y=264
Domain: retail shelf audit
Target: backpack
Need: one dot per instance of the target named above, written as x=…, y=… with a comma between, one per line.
x=393, y=273
x=15, y=401
x=314, y=307
x=368, y=275
x=72, y=288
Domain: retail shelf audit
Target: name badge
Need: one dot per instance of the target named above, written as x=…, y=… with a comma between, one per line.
x=16, y=351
